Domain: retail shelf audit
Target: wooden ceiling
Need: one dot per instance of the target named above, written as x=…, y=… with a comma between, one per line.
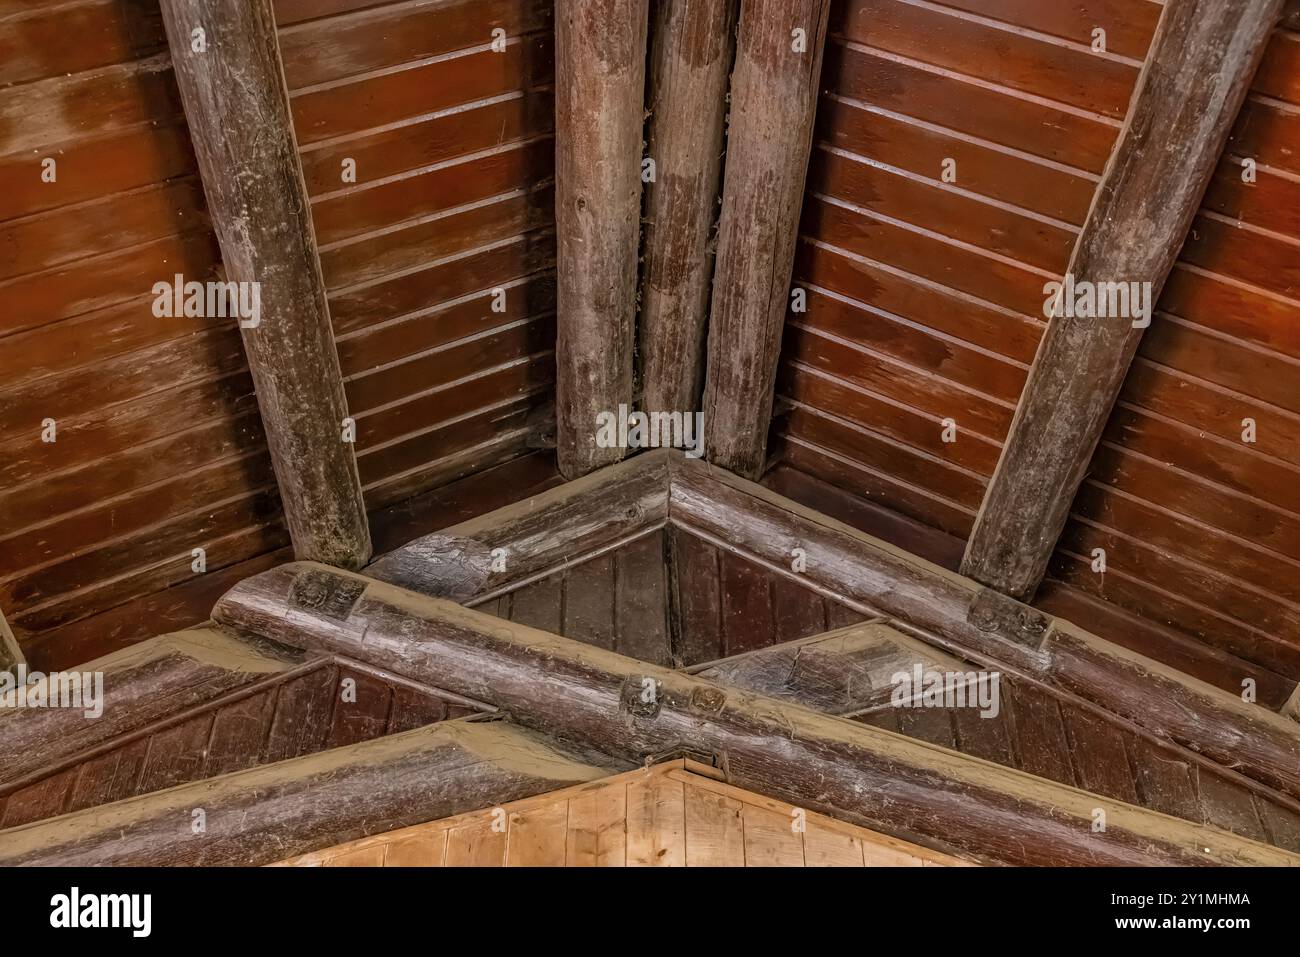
x=925, y=301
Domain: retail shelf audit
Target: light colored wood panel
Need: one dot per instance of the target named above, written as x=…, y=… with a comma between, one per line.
x=360, y=857
x=537, y=836
x=425, y=850
x=656, y=822
x=827, y=847
x=597, y=832
x=770, y=840
x=476, y=845
x=715, y=832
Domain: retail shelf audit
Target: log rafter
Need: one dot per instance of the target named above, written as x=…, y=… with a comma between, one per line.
x=1191, y=89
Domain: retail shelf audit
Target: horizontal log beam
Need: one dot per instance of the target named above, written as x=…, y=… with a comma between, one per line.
x=143, y=683
x=534, y=536
x=847, y=672
x=981, y=625
x=275, y=811
x=635, y=711
x=1201, y=62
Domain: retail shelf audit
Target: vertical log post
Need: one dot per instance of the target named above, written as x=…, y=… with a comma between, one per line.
x=1196, y=76
x=774, y=91
x=227, y=64
x=690, y=60
x=600, y=91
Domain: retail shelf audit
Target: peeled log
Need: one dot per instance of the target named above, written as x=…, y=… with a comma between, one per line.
x=690, y=62
x=773, y=102
x=599, y=92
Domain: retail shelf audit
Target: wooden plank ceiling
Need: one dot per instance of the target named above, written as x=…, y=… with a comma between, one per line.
x=926, y=304
x=160, y=449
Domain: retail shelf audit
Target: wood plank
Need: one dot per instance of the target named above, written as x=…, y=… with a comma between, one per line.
x=425, y=851
x=1194, y=82
x=538, y=836
x=698, y=598
x=771, y=839
x=599, y=93
x=656, y=822
x=589, y=601
x=715, y=829
x=244, y=141
x=746, y=591
x=774, y=87
x=597, y=828
x=823, y=847
x=476, y=845
x=641, y=608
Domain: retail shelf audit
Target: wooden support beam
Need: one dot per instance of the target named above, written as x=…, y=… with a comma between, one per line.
x=144, y=683
x=632, y=710
x=690, y=63
x=535, y=536
x=11, y=654
x=774, y=90
x=1196, y=76
x=981, y=625
x=599, y=95
x=846, y=672
x=272, y=812
x=237, y=107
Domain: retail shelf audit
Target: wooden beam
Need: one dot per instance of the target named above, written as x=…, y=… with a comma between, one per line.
x=981, y=625
x=633, y=710
x=268, y=813
x=774, y=90
x=534, y=536
x=239, y=119
x=1202, y=59
x=144, y=683
x=599, y=96
x=690, y=63
x=11, y=654
x=845, y=672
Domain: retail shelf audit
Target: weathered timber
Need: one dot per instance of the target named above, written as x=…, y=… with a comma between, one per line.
x=844, y=672
x=265, y=814
x=955, y=612
x=11, y=655
x=239, y=120
x=536, y=535
x=774, y=91
x=690, y=61
x=1195, y=79
x=634, y=711
x=599, y=91
x=146, y=682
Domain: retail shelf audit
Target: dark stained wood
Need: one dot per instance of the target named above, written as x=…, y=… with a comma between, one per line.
x=239, y=732
x=11, y=655
x=939, y=606
x=599, y=92
x=1194, y=81
x=773, y=101
x=303, y=711
x=590, y=599
x=265, y=814
x=143, y=684
x=176, y=755
x=238, y=112
x=641, y=606
x=362, y=705
x=690, y=63
x=595, y=697
x=539, y=605
x=746, y=604
x=697, y=598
